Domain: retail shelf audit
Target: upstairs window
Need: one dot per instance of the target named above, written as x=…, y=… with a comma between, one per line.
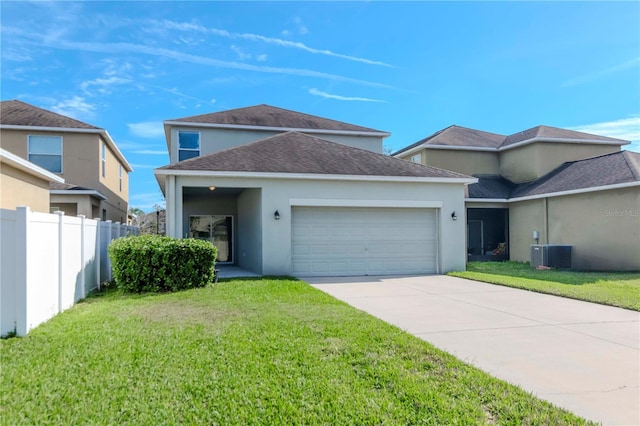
x=188, y=145
x=417, y=158
x=46, y=152
x=120, y=175
x=103, y=156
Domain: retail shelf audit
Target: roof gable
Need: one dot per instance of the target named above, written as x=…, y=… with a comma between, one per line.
x=554, y=133
x=458, y=136
x=18, y=113
x=299, y=153
x=270, y=116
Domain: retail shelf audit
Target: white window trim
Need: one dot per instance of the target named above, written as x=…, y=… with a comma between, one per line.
x=120, y=175
x=199, y=150
x=61, y=151
x=418, y=157
x=103, y=160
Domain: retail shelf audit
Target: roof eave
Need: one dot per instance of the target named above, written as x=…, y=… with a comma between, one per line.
x=28, y=167
x=312, y=176
x=277, y=129
x=563, y=140
x=90, y=192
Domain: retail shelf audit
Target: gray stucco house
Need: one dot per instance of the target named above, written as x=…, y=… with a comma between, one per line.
x=282, y=192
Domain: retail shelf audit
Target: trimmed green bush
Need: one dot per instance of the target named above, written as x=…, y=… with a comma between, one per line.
x=150, y=263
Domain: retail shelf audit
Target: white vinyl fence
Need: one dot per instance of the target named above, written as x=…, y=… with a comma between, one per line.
x=48, y=262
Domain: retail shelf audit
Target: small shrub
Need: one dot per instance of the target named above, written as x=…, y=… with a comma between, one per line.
x=150, y=263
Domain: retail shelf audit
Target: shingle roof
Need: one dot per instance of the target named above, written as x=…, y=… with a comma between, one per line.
x=543, y=132
x=610, y=169
x=456, y=136
x=270, y=116
x=55, y=186
x=18, y=113
x=294, y=152
x=490, y=186
x=459, y=136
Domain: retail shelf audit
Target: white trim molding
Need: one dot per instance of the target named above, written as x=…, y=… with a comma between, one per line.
x=514, y=145
x=312, y=176
x=174, y=123
x=577, y=191
x=339, y=202
x=28, y=167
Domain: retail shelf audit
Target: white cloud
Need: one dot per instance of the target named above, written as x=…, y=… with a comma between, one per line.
x=625, y=128
x=241, y=55
x=270, y=40
x=261, y=58
x=202, y=60
x=147, y=129
x=596, y=75
x=145, y=166
x=150, y=152
x=102, y=85
x=316, y=92
x=302, y=29
x=75, y=107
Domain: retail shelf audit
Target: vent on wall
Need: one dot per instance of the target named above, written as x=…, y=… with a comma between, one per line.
x=553, y=256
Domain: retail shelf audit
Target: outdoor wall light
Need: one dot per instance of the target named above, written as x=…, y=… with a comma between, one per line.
x=276, y=215
x=454, y=216
x=212, y=188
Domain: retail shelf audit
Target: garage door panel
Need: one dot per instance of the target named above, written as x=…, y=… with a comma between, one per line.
x=363, y=241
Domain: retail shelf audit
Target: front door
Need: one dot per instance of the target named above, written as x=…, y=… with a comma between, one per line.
x=216, y=228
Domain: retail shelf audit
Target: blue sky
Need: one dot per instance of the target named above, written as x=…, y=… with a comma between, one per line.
x=408, y=68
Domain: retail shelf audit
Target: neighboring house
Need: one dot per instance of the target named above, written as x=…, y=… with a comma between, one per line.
x=561, y=186
x=22, y=183
x=281, y=192
x=95, y=171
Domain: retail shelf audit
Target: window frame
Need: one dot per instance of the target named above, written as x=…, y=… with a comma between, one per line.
x=120, y=176
x=103, y=159
x=61, y=151
x=415, y=157
x=198, y=150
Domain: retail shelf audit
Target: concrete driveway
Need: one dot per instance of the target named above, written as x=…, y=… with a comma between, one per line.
x=581, y=356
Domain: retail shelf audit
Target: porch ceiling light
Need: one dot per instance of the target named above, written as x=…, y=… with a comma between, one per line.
x=276, y=215
x=212, y=188
x=454, y=216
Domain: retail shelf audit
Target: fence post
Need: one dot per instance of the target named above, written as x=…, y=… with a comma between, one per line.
x=98, y=231
x=60, y=214
x=83, y=266
x=23, y=216
x=108, y=240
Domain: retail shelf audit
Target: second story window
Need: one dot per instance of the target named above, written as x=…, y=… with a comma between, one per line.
x=46, y=152
x=103, y=159
x=188, y=145
x=417, y=158
x=120, y=175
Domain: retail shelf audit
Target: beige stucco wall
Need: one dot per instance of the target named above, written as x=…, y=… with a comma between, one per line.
x=77, y=204
x=529, y=162
x=277, y=193
x=603, y=227
x=524, y=218
x=214, y=140
x=462, y=161
x=81, y=166
x=18, y=188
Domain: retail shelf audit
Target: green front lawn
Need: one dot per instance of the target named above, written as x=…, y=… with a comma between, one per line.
x=610, y=288
x=245, y=352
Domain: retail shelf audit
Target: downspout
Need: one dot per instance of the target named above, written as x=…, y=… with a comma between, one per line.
x=545, y=227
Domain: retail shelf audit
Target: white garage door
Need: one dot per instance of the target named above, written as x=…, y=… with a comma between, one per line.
x=341, y=241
